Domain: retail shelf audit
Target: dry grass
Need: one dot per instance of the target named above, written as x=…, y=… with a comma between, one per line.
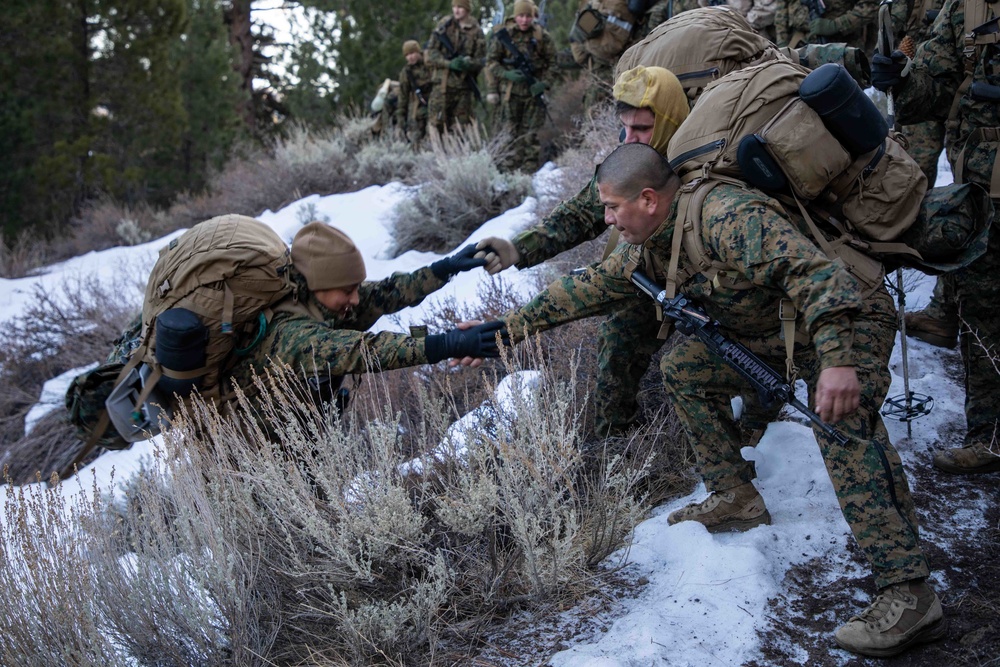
x=63, y=328
x=366, y=555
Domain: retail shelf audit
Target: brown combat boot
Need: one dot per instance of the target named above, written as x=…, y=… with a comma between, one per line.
x=901, y=616
x=932, y=330
x=737, y=509
x=971, y=460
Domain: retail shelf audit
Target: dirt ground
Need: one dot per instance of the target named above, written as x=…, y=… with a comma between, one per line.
x=966, y=575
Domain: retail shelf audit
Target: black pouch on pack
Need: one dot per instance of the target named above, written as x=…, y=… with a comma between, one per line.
x=180, y=346
x=845, y=109
x=758, y=167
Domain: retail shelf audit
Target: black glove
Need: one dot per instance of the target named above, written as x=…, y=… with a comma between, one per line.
x=889, y=71
x=479, y=341
x=463, y=260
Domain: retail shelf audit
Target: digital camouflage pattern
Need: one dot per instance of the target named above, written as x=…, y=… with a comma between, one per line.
x=927, y=94
x=856, y=22
x=624, y=351
x=520, y=113
x=452, y=99
x=925, y=140
x=315, y=341
x=411, y=114
x=753, y=235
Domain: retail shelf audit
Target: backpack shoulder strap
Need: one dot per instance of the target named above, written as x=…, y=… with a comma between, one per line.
x=687, y=235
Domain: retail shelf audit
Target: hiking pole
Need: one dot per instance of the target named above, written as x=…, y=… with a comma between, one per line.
x=913, y=406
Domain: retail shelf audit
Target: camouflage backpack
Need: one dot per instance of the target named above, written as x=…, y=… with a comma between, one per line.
x=214, y=285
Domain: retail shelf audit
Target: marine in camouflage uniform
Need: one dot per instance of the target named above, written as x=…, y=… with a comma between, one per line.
x=626, y=339
x=842, y=21
x=321, y=329
x=848, y=328
x=520, y=94
x=455, y=71
x=415, y=86
x=938, y=322
x=927, y=93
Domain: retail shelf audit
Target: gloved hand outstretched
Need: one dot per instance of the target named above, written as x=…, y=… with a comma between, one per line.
x=537, y=88
x=515, y=75
x=497, y=253
x=478, y=341
x=463, y=260
x=889, y=71
x=492, y=99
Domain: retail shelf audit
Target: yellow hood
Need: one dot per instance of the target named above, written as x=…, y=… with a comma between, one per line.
x=658, y=90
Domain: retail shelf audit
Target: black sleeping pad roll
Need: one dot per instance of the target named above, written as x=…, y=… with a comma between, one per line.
x=847, y=112
x=181, y=339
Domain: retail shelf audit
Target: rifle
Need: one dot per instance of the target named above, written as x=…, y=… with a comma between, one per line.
x=415, y=88
x=449, y=48
x=691, y=320
x=523, y=64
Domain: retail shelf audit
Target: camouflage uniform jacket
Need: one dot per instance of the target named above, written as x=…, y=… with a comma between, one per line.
x=664, y=10
x=571, y=223
x=535, y=44
x=309, y=338
x=928, y=91
x=413, y=104
x=855, y=21
x=750, y=233
x=467, y=39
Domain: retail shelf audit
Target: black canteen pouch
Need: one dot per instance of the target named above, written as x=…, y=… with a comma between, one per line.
x=758, y=167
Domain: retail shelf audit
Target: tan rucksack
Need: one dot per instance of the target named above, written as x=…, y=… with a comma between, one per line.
x=876, y=195
x=228, y=271
x=699, y=46
x=222, y=275
x=604, y=28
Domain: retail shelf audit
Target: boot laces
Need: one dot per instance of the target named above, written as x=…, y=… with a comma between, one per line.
x=879, y=608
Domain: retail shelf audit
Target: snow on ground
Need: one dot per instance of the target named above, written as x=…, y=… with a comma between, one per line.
x=707, y=595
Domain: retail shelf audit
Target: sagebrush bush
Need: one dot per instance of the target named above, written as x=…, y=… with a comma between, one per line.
x=325, y=538
x=22, y=256
x=461, y=187
x=66, y=327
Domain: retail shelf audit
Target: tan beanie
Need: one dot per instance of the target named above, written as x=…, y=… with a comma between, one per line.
x=411, y=46
x=327, y=257
x=524, y=7
x=462, y=3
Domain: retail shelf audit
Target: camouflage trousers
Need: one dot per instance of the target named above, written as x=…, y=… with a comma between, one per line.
x=925, y=141
x=416, y=127
x=867, y=474
x=943, y=304
x=626, y=343
x=449, y=106
x=521, y=117
x=978, y=290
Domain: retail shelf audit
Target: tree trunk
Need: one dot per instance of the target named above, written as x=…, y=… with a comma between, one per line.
x=237, y=18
